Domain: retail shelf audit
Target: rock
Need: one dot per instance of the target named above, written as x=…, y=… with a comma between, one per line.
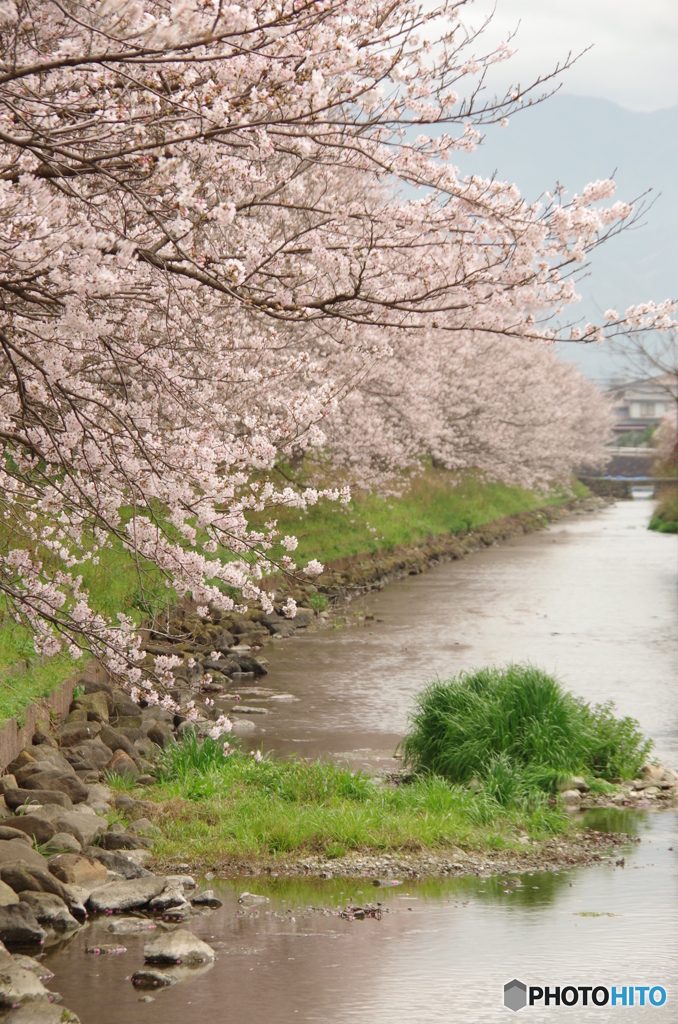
x=92, y=753
x=142, y=827
x=130, y=925
x=18, y=849
x=571, y=796
x=7, y=833
x=147, y=978
x=96, y=706
x=303, y=618
x=123, y=705
x=24, y=757
x=246, y=709
x=29, y=964
x=71, y=733
x=146, y=780
x=574, y=782
x=61, y=842
x=83, y=826
x=207, y=899
x=40, y=828
x=117, y=862
x=241, y=727
x=50, y=910
x=16, y=798
x=127, y=895
x=249, y=664
x=171, y=896
x=177, y=947
x=78, y=870
x=43, y=736
x=116, y=740
x=182, y=881
x=99, y=798
x=62, y=782
x=18, y=925
x=7, y=895
x=159, y=733
x=7, y=782
x=106, y=947
x=121, y=764
x=75, y=716
x=18, y=985
x=123, y=841
x=251, y=899
x=24, y=877
x=41, y=1013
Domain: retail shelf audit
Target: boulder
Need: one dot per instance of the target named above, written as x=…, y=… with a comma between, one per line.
x=16, y=798
x=7, y=895
x=115, y=740
x=182, y=881
x=50, y=910
x=117, y=862
x=252, y=899
x=128, y=895
x=29, y=964
x=571, y=797
x=84, y=827
x=96, y=705
x=23, y=877
x=123, y=841
x=148, y=978
x=41, y=1013
x=7, y=782
x=18, y=925
x=177, y=947
x=170, y=897
x=207, y=899
x=77, y=870
x=79, y=715
x=55, y=780
x=91, y=753
x=249, y=664
x=7, y=833
x=43, y=736
x=142, y=827
x=17, y=849
x=121, y=764
x=303, y=618
x=40, y=828
x=18, y=985
x=72, y=733
x=123, y=705
x=61, y=842
x=24, y=757
x=574, y=782
x=159, y=733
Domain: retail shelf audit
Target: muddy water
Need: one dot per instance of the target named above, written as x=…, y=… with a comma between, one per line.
x=593, y=599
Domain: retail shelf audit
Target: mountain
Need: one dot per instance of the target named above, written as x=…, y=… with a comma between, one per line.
x=573, y=140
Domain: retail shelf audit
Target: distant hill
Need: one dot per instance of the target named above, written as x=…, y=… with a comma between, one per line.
x=574, y=140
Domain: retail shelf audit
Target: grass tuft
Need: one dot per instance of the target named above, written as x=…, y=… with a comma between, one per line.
x=518, y=733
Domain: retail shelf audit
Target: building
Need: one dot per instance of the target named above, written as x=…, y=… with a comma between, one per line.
x=639, y=404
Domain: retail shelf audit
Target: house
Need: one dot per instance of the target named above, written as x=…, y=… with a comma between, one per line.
x=639, y=404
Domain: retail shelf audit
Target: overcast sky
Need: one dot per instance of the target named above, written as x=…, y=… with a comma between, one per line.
x=634, y=60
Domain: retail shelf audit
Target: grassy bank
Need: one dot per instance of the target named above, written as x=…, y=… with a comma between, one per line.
x=218, y=810
x=436, y=503
x=489, y=752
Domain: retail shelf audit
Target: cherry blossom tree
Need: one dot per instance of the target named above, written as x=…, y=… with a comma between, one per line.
x=221, y=226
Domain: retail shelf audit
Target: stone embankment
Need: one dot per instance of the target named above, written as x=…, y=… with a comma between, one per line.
x=61, y=862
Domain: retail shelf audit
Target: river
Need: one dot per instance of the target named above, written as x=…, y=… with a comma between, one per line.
x=594, y=599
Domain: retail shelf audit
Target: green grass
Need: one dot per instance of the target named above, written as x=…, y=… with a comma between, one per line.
x=518, y=733
x=436, y=503
x=665, y=519
x=216, y=809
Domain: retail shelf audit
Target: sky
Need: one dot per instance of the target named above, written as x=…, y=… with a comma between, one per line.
x=634, y=55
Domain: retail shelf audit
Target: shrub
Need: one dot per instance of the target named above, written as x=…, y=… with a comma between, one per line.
x=665, y=519
x=519, y=733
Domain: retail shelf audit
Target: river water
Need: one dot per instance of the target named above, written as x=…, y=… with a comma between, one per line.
x=594, y=599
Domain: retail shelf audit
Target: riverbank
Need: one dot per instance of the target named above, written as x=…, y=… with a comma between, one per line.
x=395, y=535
